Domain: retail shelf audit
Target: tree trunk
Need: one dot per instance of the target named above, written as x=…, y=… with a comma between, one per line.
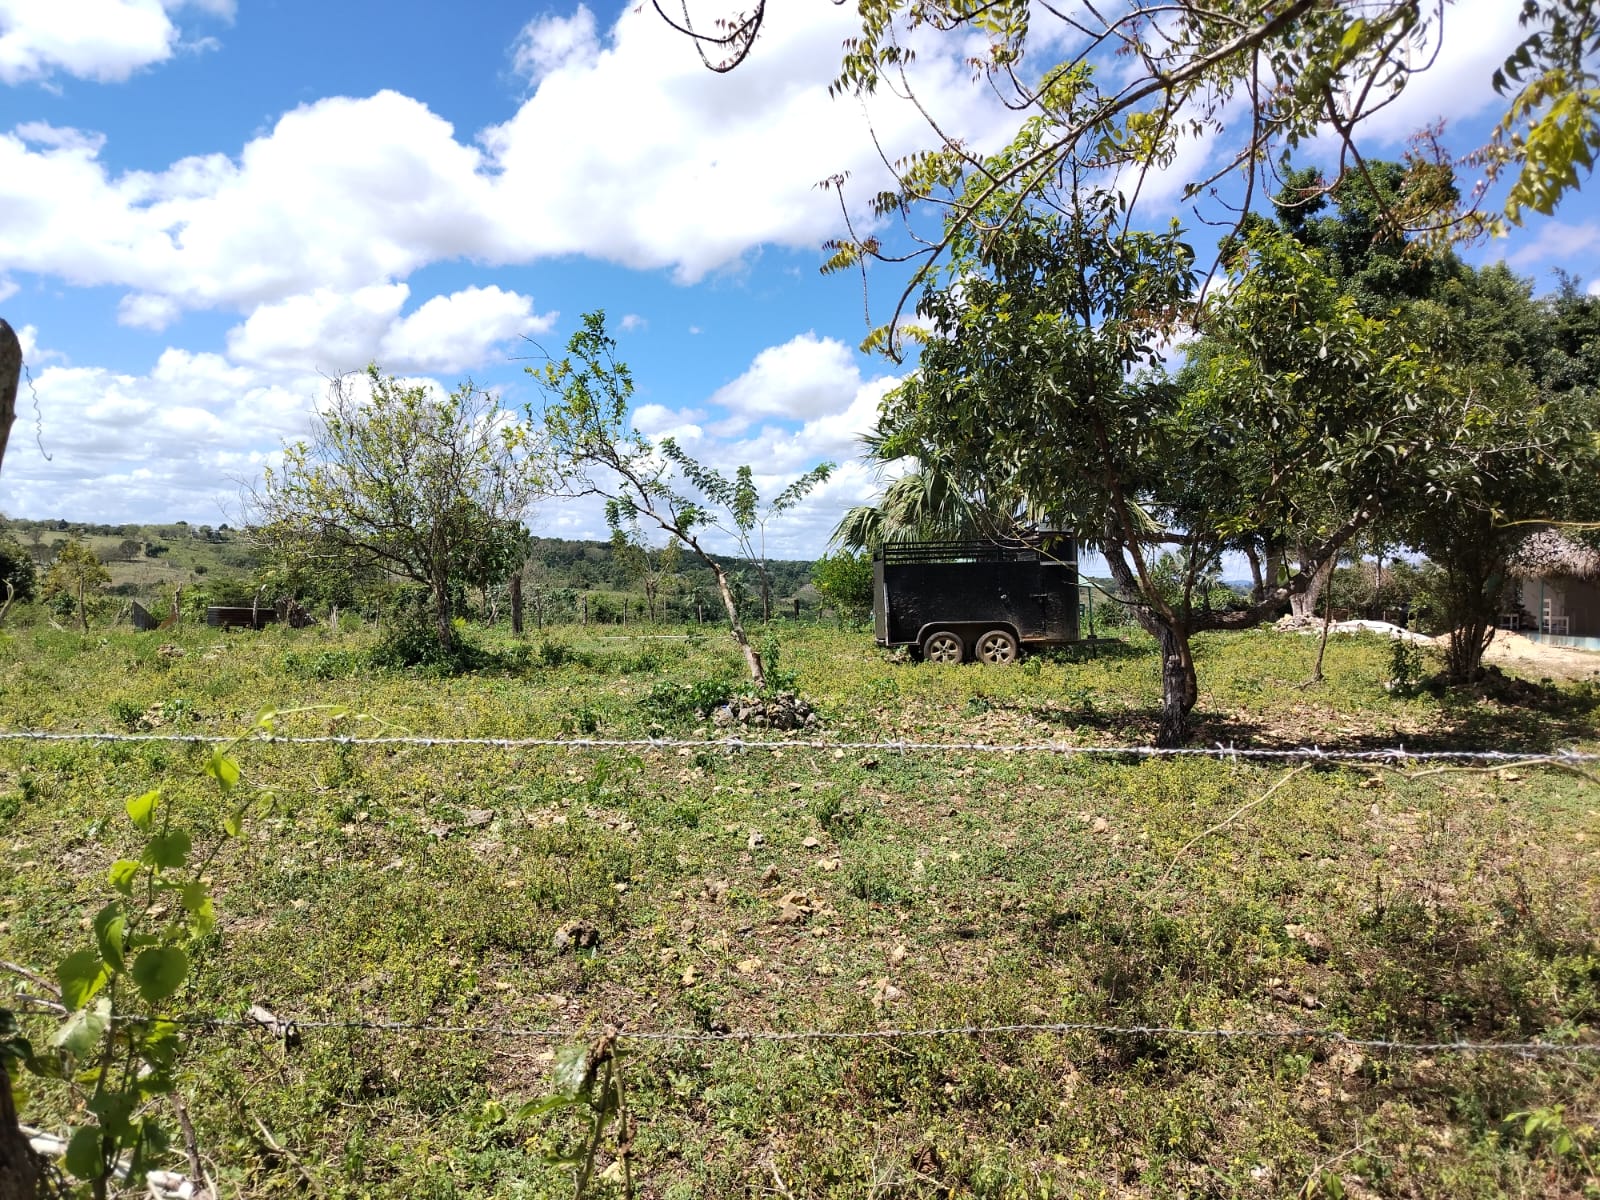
x=516, y=605
x=1258, y=582
x=441, y=613
x=1304, y=605
x=83, y=612
x=1274, y=570
x=21, y=1173
x=1179, y=688
x=1322, y=646
x=752, y=660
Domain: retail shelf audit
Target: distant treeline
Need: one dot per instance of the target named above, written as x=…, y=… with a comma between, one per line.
x=564, y=578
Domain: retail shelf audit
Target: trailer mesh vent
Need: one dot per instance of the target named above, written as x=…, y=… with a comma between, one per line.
x=952, y=552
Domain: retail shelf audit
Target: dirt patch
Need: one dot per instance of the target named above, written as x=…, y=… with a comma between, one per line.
x=1538, y=660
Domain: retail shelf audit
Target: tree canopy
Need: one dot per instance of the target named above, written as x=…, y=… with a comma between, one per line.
x=1042, y=381
x=1116, y=88
x=402, y=478
x=74, y=575
x=596, y=450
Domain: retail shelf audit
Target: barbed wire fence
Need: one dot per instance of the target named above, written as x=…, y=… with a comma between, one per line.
x=289, y=1030
x=1393, y=755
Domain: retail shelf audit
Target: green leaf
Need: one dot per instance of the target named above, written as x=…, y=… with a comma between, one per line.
x=223, y=769
x=142, y=809
x=81, y=974
x=197, y=902
x=85, y=1158
x=158, y=1045
x=115, y=1110
x=80, y=1032
x=160, y=971
x=572, y=1069
x=122, y=874
x=110, y=923
x=168, y=850
x=233, y=823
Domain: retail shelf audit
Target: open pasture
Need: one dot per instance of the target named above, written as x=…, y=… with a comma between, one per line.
x=491, y=895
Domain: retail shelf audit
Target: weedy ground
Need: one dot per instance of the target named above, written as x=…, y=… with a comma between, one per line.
x=797, y=889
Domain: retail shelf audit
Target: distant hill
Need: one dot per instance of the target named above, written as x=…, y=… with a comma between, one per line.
x=147, y=561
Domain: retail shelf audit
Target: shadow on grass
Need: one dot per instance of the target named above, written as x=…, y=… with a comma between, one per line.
x=1498, y=713
x=1108, y=648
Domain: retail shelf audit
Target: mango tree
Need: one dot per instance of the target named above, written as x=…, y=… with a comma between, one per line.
x=1042, y=376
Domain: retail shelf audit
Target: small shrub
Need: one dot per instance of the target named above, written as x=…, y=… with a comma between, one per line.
x=413, y=643
x=126, y=713
x=584, y=720
x=11, y=803
x=323, y=664
x=671, y=701
x=647, y=660
x=551, y=653
x=777, y=680
x=1405, y=669
x=838, y=818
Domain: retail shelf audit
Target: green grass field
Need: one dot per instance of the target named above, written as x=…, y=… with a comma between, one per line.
x=843, y=891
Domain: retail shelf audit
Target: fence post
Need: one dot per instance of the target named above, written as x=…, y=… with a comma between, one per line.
x=21, y=1173
x=10, y=375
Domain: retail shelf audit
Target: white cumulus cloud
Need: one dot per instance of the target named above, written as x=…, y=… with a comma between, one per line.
x=323, y=330
x=549, y=42
x=627, y=151
x=452, y=333
x=329, y=330
x=101, y=40
x=805, y=377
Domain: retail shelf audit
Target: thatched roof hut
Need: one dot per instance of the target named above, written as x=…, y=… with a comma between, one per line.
x=1550, y=553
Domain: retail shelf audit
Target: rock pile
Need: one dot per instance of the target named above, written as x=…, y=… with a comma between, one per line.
x=780, y=710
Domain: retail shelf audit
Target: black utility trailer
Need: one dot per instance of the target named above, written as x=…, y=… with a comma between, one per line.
x=953, y=601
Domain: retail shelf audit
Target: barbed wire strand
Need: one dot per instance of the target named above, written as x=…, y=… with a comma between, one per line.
x=291, y=1026
x=1063, y=749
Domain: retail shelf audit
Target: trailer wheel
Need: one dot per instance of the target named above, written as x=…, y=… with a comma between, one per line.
x=997, y=647
x=943, y=647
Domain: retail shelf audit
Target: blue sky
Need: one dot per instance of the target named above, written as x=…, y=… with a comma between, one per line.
x=208, y=205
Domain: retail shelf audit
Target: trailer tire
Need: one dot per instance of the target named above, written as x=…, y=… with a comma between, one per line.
x=997, y=647
x=943, y=646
